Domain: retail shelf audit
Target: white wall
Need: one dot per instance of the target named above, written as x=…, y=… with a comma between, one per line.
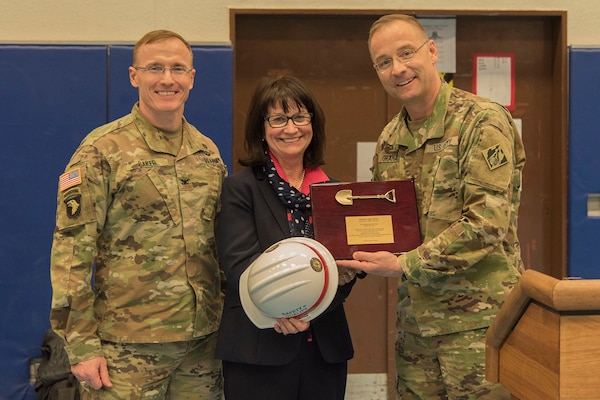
x=207, y=21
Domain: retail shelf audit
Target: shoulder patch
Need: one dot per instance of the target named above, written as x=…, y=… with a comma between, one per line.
x=69, y=179
x=73, y=203
x=494, y=156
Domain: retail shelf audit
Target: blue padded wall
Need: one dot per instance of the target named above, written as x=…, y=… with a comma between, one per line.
x=584, y=165
x=52, y=96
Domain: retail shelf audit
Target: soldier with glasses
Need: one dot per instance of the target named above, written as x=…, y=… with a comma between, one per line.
x=136, y=283
x=465, y=157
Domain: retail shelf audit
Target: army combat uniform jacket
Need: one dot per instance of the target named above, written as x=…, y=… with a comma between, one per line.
x=466, y=161
x=135, y=215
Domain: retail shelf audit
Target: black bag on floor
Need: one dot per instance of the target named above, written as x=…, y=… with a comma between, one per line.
x=54, y=378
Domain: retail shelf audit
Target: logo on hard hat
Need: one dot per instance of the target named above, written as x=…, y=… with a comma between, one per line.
x=316, y=264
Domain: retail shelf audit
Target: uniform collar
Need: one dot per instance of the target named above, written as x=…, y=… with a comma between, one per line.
x=156, y=139
x=433, y=126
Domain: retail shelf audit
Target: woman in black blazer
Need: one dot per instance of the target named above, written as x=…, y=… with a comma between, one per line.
x=261, y=205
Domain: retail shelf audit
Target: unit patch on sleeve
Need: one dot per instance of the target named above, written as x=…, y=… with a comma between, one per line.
x=73, y=203
x=494, y=156
x=69, y=179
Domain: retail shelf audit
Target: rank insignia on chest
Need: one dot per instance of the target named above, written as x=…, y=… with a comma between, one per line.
x=494, y=156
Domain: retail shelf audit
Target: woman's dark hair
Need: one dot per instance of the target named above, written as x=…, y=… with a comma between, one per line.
x=287, y=91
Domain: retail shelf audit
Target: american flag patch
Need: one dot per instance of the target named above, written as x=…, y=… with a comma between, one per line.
x=69, y=179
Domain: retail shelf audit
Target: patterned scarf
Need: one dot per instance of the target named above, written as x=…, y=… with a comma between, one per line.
x=297, y=203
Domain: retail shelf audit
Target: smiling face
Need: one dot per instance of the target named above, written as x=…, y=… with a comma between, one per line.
x=414, y=82
x=162, y=95
x=289, y=142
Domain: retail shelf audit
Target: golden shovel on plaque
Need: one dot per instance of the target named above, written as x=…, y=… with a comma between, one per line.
x=345, y=197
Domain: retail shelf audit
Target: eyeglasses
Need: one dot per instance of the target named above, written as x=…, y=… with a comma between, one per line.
x=159, y=69
x=279, y=121
x=403, y=56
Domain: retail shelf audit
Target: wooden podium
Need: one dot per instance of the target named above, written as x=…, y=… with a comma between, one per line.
x=545, y=341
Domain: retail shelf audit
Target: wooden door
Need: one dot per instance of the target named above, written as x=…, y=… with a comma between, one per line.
x=328, y=50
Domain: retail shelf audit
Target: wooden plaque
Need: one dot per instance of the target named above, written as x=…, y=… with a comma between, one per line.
x=367, y=216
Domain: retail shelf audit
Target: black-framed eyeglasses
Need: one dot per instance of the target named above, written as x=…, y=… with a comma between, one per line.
x=159, y=69
x=403, y=56
x=280, y=120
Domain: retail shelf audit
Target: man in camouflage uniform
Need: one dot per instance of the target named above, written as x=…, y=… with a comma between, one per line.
x=136, y=283
x=465, y=157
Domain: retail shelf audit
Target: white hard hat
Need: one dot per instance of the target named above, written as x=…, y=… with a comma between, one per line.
x=295, y=277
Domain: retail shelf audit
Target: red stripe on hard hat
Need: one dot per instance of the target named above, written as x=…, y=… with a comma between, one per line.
x=324, y=291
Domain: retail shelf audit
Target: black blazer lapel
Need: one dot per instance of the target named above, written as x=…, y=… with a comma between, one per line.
x=273, y=203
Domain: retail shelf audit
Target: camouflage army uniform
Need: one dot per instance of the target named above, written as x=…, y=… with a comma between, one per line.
x=142, y=210
x=466, y=161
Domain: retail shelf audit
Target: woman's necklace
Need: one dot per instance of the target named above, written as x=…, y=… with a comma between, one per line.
x=301, y=180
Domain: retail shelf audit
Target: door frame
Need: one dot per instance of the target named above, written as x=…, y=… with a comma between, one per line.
x=555, y=256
